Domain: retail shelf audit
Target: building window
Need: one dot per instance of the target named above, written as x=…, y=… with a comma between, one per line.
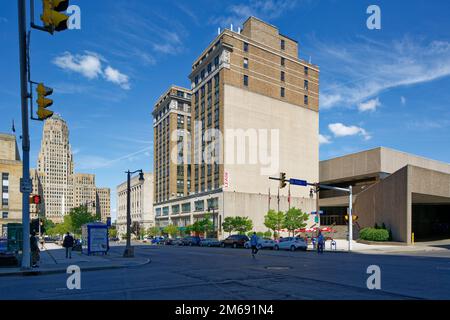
x=209, y=68
x=306, y=100
x=199, y=205
x=245, y=47
x=282, y=76
x=245, y=63
x=283, y=61
x=216, y=61
x=283, y=44
x=282, y=92
x=246, y=81
x=306, y=85
x=306, y=70
x=186, y=207
x=176, y=209
x=5, y=215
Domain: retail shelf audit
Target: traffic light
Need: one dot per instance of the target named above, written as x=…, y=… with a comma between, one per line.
x=35, y=199
x=43, y=102
x=52, y=17
x=282, y=180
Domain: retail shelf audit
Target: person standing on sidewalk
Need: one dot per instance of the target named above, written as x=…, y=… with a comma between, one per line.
x=34, y=248
x=254, y=243
x=320, y=242
x=68, y=244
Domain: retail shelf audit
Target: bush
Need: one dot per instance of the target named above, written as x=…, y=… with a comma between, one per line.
x=267, y=234
x=372, y=234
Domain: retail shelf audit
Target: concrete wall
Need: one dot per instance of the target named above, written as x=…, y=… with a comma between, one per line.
x=389, y=202
x=351, y=166
x=298, y=152
x=393, y=160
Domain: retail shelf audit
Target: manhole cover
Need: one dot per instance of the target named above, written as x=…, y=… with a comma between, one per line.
x=278, y=268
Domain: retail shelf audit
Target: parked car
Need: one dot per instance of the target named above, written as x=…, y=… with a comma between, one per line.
x=3, y=244
x=177, y=242
x=157, y=240
x=262, y=244
x=235, y=241
x=190, y=241
x=210, y=242
x=114, y=239
x=291, y=243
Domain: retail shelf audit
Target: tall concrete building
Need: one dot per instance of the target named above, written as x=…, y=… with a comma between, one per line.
x=54, y=178
x=141, y=203
x=103, y=201
x=55, y=167
x=10, y=175
x=254, y=114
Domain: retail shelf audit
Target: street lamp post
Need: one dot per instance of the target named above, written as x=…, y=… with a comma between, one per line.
x=129, y=251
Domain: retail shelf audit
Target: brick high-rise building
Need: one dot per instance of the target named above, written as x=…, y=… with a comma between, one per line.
x=104, y=203
x=251, y=91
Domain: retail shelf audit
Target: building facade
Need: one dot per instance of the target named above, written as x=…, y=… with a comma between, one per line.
x=141, y=204
x=407, y=193
x=54, y=179
x=55, y=167
x=103, y=200
x=254, y=114
x=171, y=128
x=10, y=175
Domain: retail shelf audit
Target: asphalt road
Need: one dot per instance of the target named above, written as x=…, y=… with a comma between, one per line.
x=185, y=273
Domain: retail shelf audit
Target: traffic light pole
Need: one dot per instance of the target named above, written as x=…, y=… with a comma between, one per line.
x=22, y=15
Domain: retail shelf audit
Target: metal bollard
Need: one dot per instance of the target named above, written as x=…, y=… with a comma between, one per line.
x=333, y=245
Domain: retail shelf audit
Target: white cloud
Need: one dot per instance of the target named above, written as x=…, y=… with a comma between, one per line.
x=90, y=66
x=341, y=130
x=370, y=105
x=263, y=9
x=363, y=69
x=115, y=76
x=324, y=139
x=402, y=100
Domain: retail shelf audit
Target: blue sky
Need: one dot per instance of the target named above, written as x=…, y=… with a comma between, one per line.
x=387, y=87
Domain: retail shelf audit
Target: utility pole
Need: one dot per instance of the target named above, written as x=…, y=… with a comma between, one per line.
x=25, y=183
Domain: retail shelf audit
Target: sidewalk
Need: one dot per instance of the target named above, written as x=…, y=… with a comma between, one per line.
x=342, y=246
x=53, y=260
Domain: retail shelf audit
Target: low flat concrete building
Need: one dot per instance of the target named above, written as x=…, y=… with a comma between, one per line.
x=141, y=203
x=408, y=193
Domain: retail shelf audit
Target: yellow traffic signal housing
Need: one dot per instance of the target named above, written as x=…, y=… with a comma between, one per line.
x=52, y=17
x=43, y=102
x=282, y=180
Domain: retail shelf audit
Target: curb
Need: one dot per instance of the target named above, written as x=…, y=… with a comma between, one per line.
x=56, y=271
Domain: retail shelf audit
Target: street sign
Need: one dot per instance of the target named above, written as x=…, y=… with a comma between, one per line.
x=297, y=182
x=26, y=186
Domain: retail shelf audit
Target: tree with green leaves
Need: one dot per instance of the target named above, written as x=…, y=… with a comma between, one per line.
x=242, y=224
x=274, y=220
x=113, y=232
x=80, y=216
x=171, y=230
x=228, y=225
x=206, y=225
x=61, y=228
x=295, y=219
x=154, y=231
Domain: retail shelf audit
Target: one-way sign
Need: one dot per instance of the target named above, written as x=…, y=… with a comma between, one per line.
x=297, y=182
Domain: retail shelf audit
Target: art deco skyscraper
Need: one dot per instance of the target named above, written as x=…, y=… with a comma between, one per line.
x=55, y=167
